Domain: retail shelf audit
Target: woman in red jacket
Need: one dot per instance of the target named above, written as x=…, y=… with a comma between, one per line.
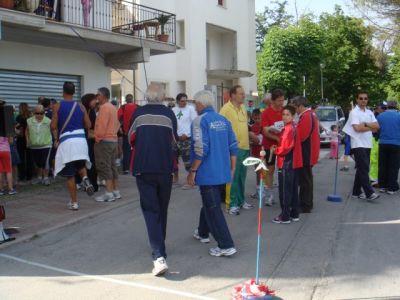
x=289, y=158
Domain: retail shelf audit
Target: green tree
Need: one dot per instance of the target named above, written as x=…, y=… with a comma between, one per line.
x=289, y=54
x=343, y=44
x=349, y=58
x=271, y=17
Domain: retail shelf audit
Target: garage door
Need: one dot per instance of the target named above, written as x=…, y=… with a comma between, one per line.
x=18, y=86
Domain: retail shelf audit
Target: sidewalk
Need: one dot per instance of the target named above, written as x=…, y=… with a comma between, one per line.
x=38, y=209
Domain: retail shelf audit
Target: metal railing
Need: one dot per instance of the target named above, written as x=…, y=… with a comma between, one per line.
x=119, y=16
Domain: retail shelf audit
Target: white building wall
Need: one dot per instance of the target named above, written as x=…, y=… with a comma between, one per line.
x=24, y=57
x=189, y=64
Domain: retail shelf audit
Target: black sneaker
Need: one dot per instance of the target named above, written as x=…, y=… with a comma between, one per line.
x=88, y=187
x=390, y=192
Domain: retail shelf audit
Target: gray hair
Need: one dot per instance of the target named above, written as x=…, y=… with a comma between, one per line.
x=204, y=97
x=155, y=93
x=299, y=101
x=39, y=107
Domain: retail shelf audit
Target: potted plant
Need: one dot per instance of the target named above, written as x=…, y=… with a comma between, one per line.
x=7, y=4
x=163, y=19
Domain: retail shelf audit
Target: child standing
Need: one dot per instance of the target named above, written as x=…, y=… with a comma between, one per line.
x=5, y=165
x=289, y=158
x=256, y=129
x=334, y=136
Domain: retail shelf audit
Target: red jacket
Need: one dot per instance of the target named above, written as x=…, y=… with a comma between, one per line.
x=308, y=132
x=125, y=113
x=289, y=142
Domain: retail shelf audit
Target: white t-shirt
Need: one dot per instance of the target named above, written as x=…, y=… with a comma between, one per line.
x=185, y=117
x=359, y=139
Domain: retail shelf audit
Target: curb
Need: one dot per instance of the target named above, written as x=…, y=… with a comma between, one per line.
x=90, y=215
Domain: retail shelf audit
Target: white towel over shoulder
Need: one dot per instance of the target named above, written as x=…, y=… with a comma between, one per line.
x=74, y=148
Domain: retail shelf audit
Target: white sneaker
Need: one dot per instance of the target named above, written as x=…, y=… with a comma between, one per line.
x=234, y=211
x=73, y=206
x=247, y=205
x=160, y=266
x=373, y=197
x=361, y=196
x=117, y=194
x=269, y=200
x=199, y=238
x=46, y=181
x=106, y=197
x=222, y=252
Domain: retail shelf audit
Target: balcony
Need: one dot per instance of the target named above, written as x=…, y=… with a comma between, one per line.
x=123, y=32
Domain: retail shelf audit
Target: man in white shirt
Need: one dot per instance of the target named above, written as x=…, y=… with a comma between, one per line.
x=359, y=127
x=185, y=114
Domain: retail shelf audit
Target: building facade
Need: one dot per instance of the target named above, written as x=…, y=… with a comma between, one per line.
x=216, y=50
x=41, y=46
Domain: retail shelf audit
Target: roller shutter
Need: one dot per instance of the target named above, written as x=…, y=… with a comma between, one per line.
x=21, y=86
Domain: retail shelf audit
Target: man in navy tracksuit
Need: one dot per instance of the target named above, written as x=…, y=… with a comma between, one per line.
x=213, y=155
x=152, y=134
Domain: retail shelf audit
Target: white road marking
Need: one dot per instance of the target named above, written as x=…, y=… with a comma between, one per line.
x=107, y=279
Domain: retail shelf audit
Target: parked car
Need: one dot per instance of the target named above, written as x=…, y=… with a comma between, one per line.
x=329, y=115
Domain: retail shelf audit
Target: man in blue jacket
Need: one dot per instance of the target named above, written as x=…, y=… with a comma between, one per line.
x=153, y=167
x=389, y=149
x=213, y=155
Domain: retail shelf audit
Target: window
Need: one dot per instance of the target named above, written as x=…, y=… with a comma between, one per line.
x=326, y=114
x=180, y=33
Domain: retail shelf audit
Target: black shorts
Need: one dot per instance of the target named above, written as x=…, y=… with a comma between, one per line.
x=72, y=168
x=272, y=162
x=41, y=157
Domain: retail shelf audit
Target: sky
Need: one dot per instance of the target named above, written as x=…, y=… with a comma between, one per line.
x=310, y=6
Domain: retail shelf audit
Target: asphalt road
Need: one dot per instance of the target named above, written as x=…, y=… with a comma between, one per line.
x=347, y=250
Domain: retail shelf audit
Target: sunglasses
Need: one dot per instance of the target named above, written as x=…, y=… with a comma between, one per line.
x=37, y=113
x=363, y=98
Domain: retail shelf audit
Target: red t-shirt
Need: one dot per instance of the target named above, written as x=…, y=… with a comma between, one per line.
x=268, y=118
x=255, y=149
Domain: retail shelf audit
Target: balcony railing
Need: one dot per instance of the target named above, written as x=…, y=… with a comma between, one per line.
x=119, y=16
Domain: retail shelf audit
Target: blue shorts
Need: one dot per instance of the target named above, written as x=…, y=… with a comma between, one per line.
x=15, y=159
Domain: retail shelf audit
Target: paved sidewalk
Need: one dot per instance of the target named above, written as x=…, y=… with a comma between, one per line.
x=38, y=209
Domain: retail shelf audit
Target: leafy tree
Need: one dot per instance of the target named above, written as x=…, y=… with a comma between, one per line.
x=343, y=44
x=393, y=87
x=289, y=54
x=348, y=57
x=271, y=17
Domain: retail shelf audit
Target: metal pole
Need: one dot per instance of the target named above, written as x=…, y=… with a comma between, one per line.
x=322, y=66
x=304, y=85
x=322, y=83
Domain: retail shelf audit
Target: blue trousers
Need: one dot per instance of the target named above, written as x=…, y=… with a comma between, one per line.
x=155, y=193
x=288, y=193
x=212, y=219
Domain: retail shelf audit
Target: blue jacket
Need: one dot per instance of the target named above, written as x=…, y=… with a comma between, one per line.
x=154, y=126
x=213, y=142
x=389, y=123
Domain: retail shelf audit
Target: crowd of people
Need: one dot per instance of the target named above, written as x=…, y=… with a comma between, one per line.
x=83, y=141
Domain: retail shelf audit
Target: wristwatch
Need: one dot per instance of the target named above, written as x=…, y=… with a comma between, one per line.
x=193, y=171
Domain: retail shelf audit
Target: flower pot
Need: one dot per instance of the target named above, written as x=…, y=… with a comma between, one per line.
x=7, y=4
x=163, y=38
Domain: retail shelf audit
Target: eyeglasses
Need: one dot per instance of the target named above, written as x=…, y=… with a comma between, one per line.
x=39, y=113
x=363, y=98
